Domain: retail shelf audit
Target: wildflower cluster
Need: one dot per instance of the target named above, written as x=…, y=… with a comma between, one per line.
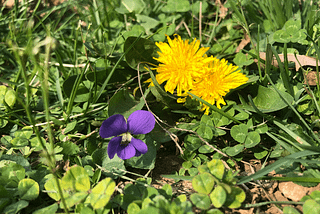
x=186, y=68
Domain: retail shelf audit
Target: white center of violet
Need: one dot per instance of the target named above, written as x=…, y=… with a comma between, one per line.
x=126, y=139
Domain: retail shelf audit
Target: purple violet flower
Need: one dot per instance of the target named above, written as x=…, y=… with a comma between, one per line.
x=123, y=144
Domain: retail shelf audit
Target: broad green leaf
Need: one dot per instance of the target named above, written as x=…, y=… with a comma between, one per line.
x=7, y=95
x=19, y=159
x=129, y=6
x=203, y=183
x=239, y=132
x=311, y=207
x=195, y=7
x=192, y=143
x=11, y=173
x=69, y=148
x=52, y=189
x=101, y=193
x=25, y=132
x=235, y=198
x=216, y=168
x=205, y=149
x=174, y=6
x=290, y=210
x=19, y=142
x=74, y=199
x=218, y=196
x=143, y=51
x=82, y=94
x=265, y=99
x=146, y=161
x=253, y=139
x=233, y=151
x=70, y=127
x=315, y=195
x=16, y=207
x=49, y=209
x=200, y=200
x=147, y=22
x=214, y=211
x=28, y=189
x=76, y=179
x=133, y=208
x=110, y=167
x=262, y=128
x=124, y=103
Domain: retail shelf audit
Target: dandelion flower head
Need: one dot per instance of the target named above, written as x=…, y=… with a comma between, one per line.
x=219, y=79
x=181, y=64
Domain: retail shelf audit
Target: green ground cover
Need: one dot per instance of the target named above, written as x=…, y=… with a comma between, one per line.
x=90, y=90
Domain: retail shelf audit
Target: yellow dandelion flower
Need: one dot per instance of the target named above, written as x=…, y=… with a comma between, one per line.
x=181, y=64
x=217, y=82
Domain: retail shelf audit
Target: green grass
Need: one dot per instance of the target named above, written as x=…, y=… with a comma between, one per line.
x=65, y=69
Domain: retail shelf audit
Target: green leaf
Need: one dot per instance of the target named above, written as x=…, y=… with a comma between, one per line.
x=265, y=99
x=49, y=209
x=7, y=95
x=290, y=210
x=74, y=199
x=11, y=173
x=16, y=207
x=110, y=167
x=143, y=51
x=69, y=148
x=70, y=127
x=28, y=189
x=242, y=59
x=235, y=198
x=253, y=139
x=129, y=6
x=124, y=103
x=311, y=207
x=218, y=196
x=214, y=211
x=192, y=143
x=101, y=193
x=82, y=93
x=202, y=201
x=146, y=161
x=19, y=142
x=195, y=7
x=203, y=183
x=25, y=132
x=216, y=168
x=239, y=132
x=174, y=6
x=52, y=189
x=76, y=179
x=315, y=195
x=133, y=208
x=233, y=151
x=206, y=149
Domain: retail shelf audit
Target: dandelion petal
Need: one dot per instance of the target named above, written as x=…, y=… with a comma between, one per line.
x=113, y=126
x=126, y=152
x=139, y=145
x=141, y=122
x=113, y=146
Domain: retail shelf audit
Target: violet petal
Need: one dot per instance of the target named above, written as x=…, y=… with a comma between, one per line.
x=126, y=152
x=141, y=122
x=113, y=146
x=139, y=145
x=113, y=126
